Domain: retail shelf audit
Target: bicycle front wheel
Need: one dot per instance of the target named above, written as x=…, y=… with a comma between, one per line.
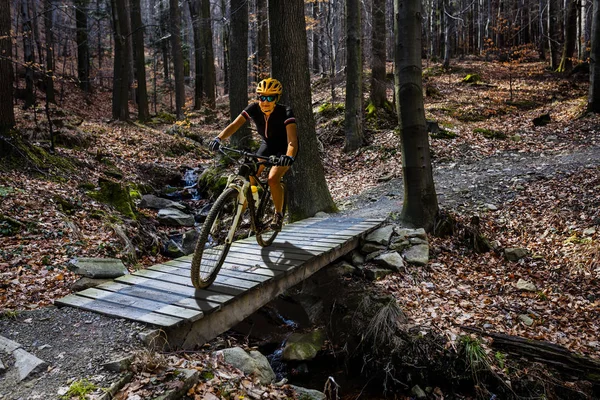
x=265, y=216
x=212, y=248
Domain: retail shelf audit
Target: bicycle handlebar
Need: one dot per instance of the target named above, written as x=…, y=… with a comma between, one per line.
x=265, y=160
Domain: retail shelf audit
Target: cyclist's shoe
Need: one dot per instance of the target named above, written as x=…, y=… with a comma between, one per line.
x=277, y=222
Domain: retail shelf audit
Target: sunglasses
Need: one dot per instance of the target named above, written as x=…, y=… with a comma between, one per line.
x=267, y=98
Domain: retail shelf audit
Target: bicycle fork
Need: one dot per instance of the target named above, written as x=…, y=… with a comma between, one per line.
x=240, y=209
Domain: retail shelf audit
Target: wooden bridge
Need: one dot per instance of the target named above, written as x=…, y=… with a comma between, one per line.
x=181, y=316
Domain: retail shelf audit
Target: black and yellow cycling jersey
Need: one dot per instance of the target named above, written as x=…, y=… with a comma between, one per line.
x=271, y=128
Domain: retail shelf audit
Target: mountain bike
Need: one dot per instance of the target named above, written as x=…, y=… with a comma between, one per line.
x=230, y=212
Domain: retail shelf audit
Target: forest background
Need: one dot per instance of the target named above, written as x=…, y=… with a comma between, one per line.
x=70, y=71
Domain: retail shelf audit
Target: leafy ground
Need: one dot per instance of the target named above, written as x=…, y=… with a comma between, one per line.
x=47, y=218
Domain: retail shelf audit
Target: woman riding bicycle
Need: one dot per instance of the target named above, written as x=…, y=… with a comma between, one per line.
x=276, y=126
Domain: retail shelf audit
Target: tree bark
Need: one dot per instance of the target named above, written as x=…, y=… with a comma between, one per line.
x=48, y=15
x=140, y=60
x=553, y=32
x=238, y=87
x=264, y=66
x=308, y=192
x=194, y=6
x=420, y=205
x=566, y=62
x=83, y=49
x=28, y=55
x=175, y=25
x=594, y=92
x=378, y=74
x=209, y=74
x=354, y=114
x=7, y=112
x=120, y=91
x=315, y=38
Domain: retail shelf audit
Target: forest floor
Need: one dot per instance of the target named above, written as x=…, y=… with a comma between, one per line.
x=534, y=187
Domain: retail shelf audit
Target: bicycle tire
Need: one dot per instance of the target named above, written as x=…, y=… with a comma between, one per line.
x=211, y=249
x=264, y=215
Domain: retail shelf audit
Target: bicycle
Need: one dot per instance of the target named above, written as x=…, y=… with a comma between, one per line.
x=221, y=227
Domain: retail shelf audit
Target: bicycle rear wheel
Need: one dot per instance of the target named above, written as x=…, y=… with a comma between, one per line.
x=211, y=248
x=265, y=216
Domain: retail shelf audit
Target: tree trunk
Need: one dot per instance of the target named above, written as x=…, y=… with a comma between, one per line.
x=315, y=38
x=264, y=66
x=194, y=6
x=566, y=62
x=226, y=53
x=378, y=74
x=7, y=112
x=553, y=32
x=209, y=74
x=120, y=91
x=28, y=55
x=238, y=87
x=83, y=49
x=420, y=201
x=449, y=28
x=353, y=124
x=594, y=93
x=175, y=25
x=308, y=192
x=140, y=60
x=48, y=15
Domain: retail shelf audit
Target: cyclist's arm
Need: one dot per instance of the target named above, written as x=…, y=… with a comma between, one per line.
x=292, y=138
x=232, y=127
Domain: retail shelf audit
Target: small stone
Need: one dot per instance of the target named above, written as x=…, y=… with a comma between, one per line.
x=522, y=284
x=491, y=207
x=526, y=319
x=589, y=231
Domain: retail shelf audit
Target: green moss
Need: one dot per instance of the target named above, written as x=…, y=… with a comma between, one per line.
x=166, y=117
x=86, y=186
x=490, y=133
x=328, y=110
x=79, y=389
x=471, y=78
x=114, y=194
x=443, y=134
x=65, y=205
x=9, y=226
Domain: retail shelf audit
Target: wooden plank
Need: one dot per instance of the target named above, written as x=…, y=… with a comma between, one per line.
x=145, y=304
x=112, y=309
x=185, y=281
x=185, y=272
x=171, y=287
x=168, y=297
x=244, y=265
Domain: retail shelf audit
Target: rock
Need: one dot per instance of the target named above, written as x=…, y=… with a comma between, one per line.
x=356, y=258
x=491, y=207
x=417, y=255
x=321, y=214
x=515, y=253
x=118, y=364
x=342, y=268
x=253, y=363
x=2, y=367
x=308, y=394
x=373, y=255
x=303, y=346
x=369, y=247
x=418, y=392
x=589, y=231
x=27, y=364
x=86, y=283
x=381, y=236
x=375, y=274
x=392, y=261
x=155, y=202
x=406, y=233
x=188, y=241
x=98, y=268
x=525, y=285
x=174, y=217
x=526, y=319
x=400, y=244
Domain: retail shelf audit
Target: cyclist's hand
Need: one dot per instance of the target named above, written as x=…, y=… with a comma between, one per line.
x=214, y=144
x=285, y=161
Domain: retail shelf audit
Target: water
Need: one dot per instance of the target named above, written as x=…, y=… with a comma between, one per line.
x=190, y=177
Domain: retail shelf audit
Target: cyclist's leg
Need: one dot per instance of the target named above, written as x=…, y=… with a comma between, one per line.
x=275, y=176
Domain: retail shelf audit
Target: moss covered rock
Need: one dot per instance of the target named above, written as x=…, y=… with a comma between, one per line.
x=116, y=195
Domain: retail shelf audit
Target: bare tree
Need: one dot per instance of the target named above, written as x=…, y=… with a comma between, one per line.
x=7, y=113
x=83, y=49
x=139, y=60
x=307, y=178
x=420, y=205
x=566, y=62
x=28, y=55
x=175, y=19
x=120, y=104
x=378, y=93
x=194, y=6
x=594, y=92
x=238, y=67
x=208, y=70
x=48, y=20
x=354, y=114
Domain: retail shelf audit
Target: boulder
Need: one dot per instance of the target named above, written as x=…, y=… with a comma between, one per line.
x=303, y=346
x=253, y=363
x=174, y=217
x=98, y=268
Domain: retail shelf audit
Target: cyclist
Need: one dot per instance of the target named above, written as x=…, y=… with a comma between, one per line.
x=276, y=126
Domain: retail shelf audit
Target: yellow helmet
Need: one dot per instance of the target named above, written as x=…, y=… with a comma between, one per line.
x=269, y=86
